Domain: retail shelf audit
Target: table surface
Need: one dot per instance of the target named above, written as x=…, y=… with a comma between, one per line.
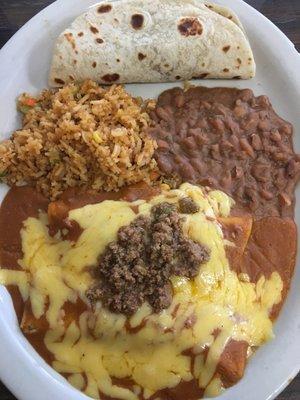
x=284, y=13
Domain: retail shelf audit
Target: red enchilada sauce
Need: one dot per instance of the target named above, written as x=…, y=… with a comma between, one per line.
x=266, y=246
x=21, y=203
x=18, y=205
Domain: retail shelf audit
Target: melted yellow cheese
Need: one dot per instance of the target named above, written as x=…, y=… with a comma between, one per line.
x=99, y=345
x=18, y=278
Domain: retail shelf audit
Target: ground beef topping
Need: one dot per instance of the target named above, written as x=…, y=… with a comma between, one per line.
x=137, y=267
x=188, y=206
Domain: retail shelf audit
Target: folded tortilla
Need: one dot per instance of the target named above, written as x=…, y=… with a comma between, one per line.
x=152, y=41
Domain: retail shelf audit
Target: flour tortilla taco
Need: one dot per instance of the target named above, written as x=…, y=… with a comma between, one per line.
x=152, y=41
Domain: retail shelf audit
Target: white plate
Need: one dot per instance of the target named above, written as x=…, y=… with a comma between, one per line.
x=24, y=64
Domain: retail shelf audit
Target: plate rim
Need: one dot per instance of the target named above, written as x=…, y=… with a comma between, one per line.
x=22, y=358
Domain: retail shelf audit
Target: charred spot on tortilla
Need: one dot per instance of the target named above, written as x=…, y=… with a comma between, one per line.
x=209, y=6
x=71, y=78
x=137, y=21
x=225, y=70
x=59, y=81
x=230, y=17
x=141, y=56
x=70, y=39
x=203, y=64
x=177, y=77
x=237, y=77
x=94, y=65
x=201, y=76
x=226, y=49
x=110, y=77
x=190, y=27
x=99, y=40
x=80, y=34
x=118, y=60
x=104, y=8
x=74, y=62
x=93, y=29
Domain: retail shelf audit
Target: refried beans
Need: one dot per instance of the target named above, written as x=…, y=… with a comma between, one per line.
x=228, y=139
